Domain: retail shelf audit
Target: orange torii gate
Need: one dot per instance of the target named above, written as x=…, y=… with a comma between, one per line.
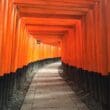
x=75, y=30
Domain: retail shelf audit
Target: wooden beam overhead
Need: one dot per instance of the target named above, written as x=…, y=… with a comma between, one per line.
x=61, y=16
x=49, y=21
x=48, y=32
x=71, y=3
x=51, y=25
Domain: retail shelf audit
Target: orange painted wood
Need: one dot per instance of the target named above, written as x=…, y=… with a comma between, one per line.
x=82, y=40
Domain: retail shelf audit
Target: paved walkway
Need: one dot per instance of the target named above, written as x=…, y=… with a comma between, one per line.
x=49, y=91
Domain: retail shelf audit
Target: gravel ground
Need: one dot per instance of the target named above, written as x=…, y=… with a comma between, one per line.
x=85, y=97
x=49, y=91
x=17, y=99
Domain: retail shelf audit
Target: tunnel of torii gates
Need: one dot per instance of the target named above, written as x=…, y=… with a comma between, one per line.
x=75, y=30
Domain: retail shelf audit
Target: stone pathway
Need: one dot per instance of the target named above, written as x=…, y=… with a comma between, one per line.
x=49, y=91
